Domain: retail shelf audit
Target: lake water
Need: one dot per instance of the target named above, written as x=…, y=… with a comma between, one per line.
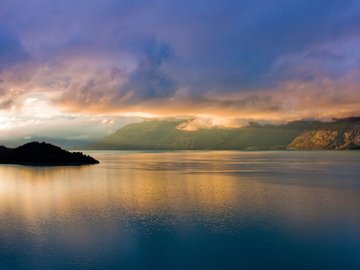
x=184, y=210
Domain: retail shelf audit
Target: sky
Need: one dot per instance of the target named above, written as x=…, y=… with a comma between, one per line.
x=80, y=69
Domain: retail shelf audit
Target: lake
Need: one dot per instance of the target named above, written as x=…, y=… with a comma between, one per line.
x=184, y=210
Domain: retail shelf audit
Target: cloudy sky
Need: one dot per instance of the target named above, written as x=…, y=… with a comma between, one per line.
x=83, y=68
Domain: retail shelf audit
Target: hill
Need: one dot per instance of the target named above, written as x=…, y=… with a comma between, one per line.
x=165, y=135
x=296, y=135
x=342, y=134
x=42, y=154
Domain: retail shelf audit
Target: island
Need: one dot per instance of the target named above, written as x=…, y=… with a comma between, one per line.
x=43, y=154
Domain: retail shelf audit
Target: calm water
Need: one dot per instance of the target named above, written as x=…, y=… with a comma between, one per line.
x=184, y=210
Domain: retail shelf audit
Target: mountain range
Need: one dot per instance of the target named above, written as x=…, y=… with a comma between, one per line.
x=298, y=135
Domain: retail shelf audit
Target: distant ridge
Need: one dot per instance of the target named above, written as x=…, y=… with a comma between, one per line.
x=43, y=154
x=165, y=134
x=338, y=136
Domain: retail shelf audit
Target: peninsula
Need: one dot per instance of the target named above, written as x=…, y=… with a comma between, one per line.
x=43, y=154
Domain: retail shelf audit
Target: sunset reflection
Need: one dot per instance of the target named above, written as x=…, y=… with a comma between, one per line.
x=116, y=188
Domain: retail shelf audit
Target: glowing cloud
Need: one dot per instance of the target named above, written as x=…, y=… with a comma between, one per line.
x=228, y=60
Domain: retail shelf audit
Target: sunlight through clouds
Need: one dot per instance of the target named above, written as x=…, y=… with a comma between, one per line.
x=64, y=64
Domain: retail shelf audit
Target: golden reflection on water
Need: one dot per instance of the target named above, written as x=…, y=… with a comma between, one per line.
x=134, y=185
x=37, y=192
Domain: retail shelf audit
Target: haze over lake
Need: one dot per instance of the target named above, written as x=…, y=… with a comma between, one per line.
x=184, y=210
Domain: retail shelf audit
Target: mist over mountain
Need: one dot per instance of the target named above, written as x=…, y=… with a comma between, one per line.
x=170, y=134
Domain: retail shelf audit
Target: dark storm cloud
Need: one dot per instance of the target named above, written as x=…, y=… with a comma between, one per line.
x=239, y=49
x=11, y=50
x=128, y=52
x=148, y=81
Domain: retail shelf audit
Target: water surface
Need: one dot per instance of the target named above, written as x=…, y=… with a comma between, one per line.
x=184, y=210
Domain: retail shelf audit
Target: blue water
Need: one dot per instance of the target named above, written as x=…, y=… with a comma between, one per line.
x=184, y=210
